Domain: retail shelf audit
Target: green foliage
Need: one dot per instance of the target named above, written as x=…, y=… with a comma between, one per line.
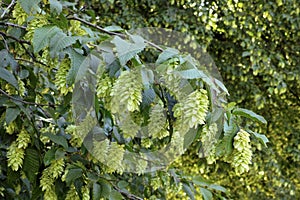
x=45, y=154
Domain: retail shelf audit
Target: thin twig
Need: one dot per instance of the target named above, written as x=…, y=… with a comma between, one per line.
x=110, y=32
x=13, y=25
x=95, y=26
x=21, y=100
x=14, y=38
x=24, y=60
x=127, y=195
x=22, y=42
x=8, y=7
x=5, y=43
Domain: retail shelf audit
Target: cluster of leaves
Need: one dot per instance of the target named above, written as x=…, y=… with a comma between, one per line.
x=44, y=153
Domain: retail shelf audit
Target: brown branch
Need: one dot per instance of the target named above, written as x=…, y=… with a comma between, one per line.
x=21, y=100
x=8, y=7
x=22, y=42
x=14, y=38
x=12, y=25
x=110, y=32
x=126, y=194
x=96, y=27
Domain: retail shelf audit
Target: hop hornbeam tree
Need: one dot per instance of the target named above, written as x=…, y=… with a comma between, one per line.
x=45, y=152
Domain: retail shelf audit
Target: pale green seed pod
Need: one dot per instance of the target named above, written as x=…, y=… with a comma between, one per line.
x=15, y=156
x=242, y=155
x=127, y=92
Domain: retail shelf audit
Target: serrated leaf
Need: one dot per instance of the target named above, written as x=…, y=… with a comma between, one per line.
x=59, y=42
x=148, y=96
x=249, y=114
x=55, y=6
x=206, y=194
x=11, y=114
x=41, y=37
x=73, y=174
x=76, y=61
x=30, y=6
x=31, y=164
x=261, y=137
x=127, y=50
x=8, y=77
x=58, y=139
x=166, y=54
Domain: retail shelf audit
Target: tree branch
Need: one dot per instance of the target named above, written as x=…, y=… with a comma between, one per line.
x=126, y=194
x=110, y=32
x=21, y=100
x=8, y=7
x=13, y=25
x=14, y=38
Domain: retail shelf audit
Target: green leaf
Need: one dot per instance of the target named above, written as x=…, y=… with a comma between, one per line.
x=122, y=184
x=249, y=114
x=59, y=153
x=246, y=53
x=30, y=6
x=188, y=191
x=55, y=6
x=41, y=37
x=226, y=144
x=6, y=59
x=197, y=74
x=76, y=61
x=148, y=96
x=73, y=174
x=8, y=77
x=31, y=164
x=218, y=188
x=11, y=114
x=199, y=180
x=166, y=54
x=49, y=156
x=105, y=188
x=59, y=42
x=115, y=195
x=192, y=74
x=147, y=77
x=222, y=86
x=114, y=28
x=261, y=137
x=58, y=139
x=206, y=194
x=96, y=191
x=127, y=50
